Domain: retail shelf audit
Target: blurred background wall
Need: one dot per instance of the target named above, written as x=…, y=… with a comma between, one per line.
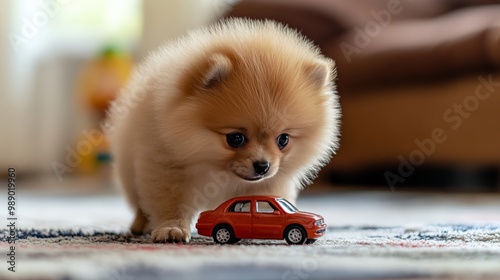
x=404, y=67
x=6, y=93
x=47, y=45
x=167, y=19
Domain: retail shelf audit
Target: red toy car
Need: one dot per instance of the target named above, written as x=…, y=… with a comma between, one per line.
x=260, y=217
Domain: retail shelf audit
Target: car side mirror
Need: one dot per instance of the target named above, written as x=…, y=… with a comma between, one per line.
x=277, y=212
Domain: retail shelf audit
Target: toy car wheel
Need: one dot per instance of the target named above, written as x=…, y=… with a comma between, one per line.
x=295, y=235
x=223, y=234
x=311, y=241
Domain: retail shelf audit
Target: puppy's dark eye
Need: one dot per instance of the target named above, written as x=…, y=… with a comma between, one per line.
x=236, y=140
x=282, y=140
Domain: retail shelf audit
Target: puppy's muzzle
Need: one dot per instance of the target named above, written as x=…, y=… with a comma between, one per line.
x=261, y=167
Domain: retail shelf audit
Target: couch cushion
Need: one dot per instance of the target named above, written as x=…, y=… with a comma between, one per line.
x=420, y=50
x=313, y=19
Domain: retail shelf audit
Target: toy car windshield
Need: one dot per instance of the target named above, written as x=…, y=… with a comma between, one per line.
x=287, y=206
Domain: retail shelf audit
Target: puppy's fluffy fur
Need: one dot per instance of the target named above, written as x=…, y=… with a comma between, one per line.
x=169, y=127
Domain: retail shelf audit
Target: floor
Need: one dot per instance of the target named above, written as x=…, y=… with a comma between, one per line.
x=80, y=233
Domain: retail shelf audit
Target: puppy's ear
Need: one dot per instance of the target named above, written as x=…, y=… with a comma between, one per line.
x=217, y=68
x=321, y=72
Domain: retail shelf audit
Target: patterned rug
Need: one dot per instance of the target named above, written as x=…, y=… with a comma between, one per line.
x=371, y=236
x=438, y=251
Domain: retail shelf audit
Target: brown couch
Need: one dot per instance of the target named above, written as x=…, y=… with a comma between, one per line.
x=406, y=68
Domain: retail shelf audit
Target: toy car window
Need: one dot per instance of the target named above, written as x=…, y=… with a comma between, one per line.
x=287, y=206
x=264, y=207
x=240, y=206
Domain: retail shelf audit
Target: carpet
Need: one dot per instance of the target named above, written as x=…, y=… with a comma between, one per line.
x=85, y=237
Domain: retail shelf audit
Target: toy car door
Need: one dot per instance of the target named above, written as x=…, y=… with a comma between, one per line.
x=267, y=220
x=241, y=217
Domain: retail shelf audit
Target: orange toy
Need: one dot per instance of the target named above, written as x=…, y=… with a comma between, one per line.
x=260, y=217
x=103, y=77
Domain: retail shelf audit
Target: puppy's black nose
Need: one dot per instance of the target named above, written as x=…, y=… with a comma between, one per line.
x=261, y=167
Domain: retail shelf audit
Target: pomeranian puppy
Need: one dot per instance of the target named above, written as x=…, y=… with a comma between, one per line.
x=242, y=107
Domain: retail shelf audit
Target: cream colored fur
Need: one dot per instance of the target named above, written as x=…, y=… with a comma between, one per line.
x=168, y=127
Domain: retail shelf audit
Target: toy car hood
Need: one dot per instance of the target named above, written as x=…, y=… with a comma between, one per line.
x=306, y=215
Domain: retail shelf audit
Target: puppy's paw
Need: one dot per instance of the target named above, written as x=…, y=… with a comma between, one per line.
x=139, y=225
x=171, y=232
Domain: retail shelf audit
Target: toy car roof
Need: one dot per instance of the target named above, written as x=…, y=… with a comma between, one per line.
x=255, y=197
